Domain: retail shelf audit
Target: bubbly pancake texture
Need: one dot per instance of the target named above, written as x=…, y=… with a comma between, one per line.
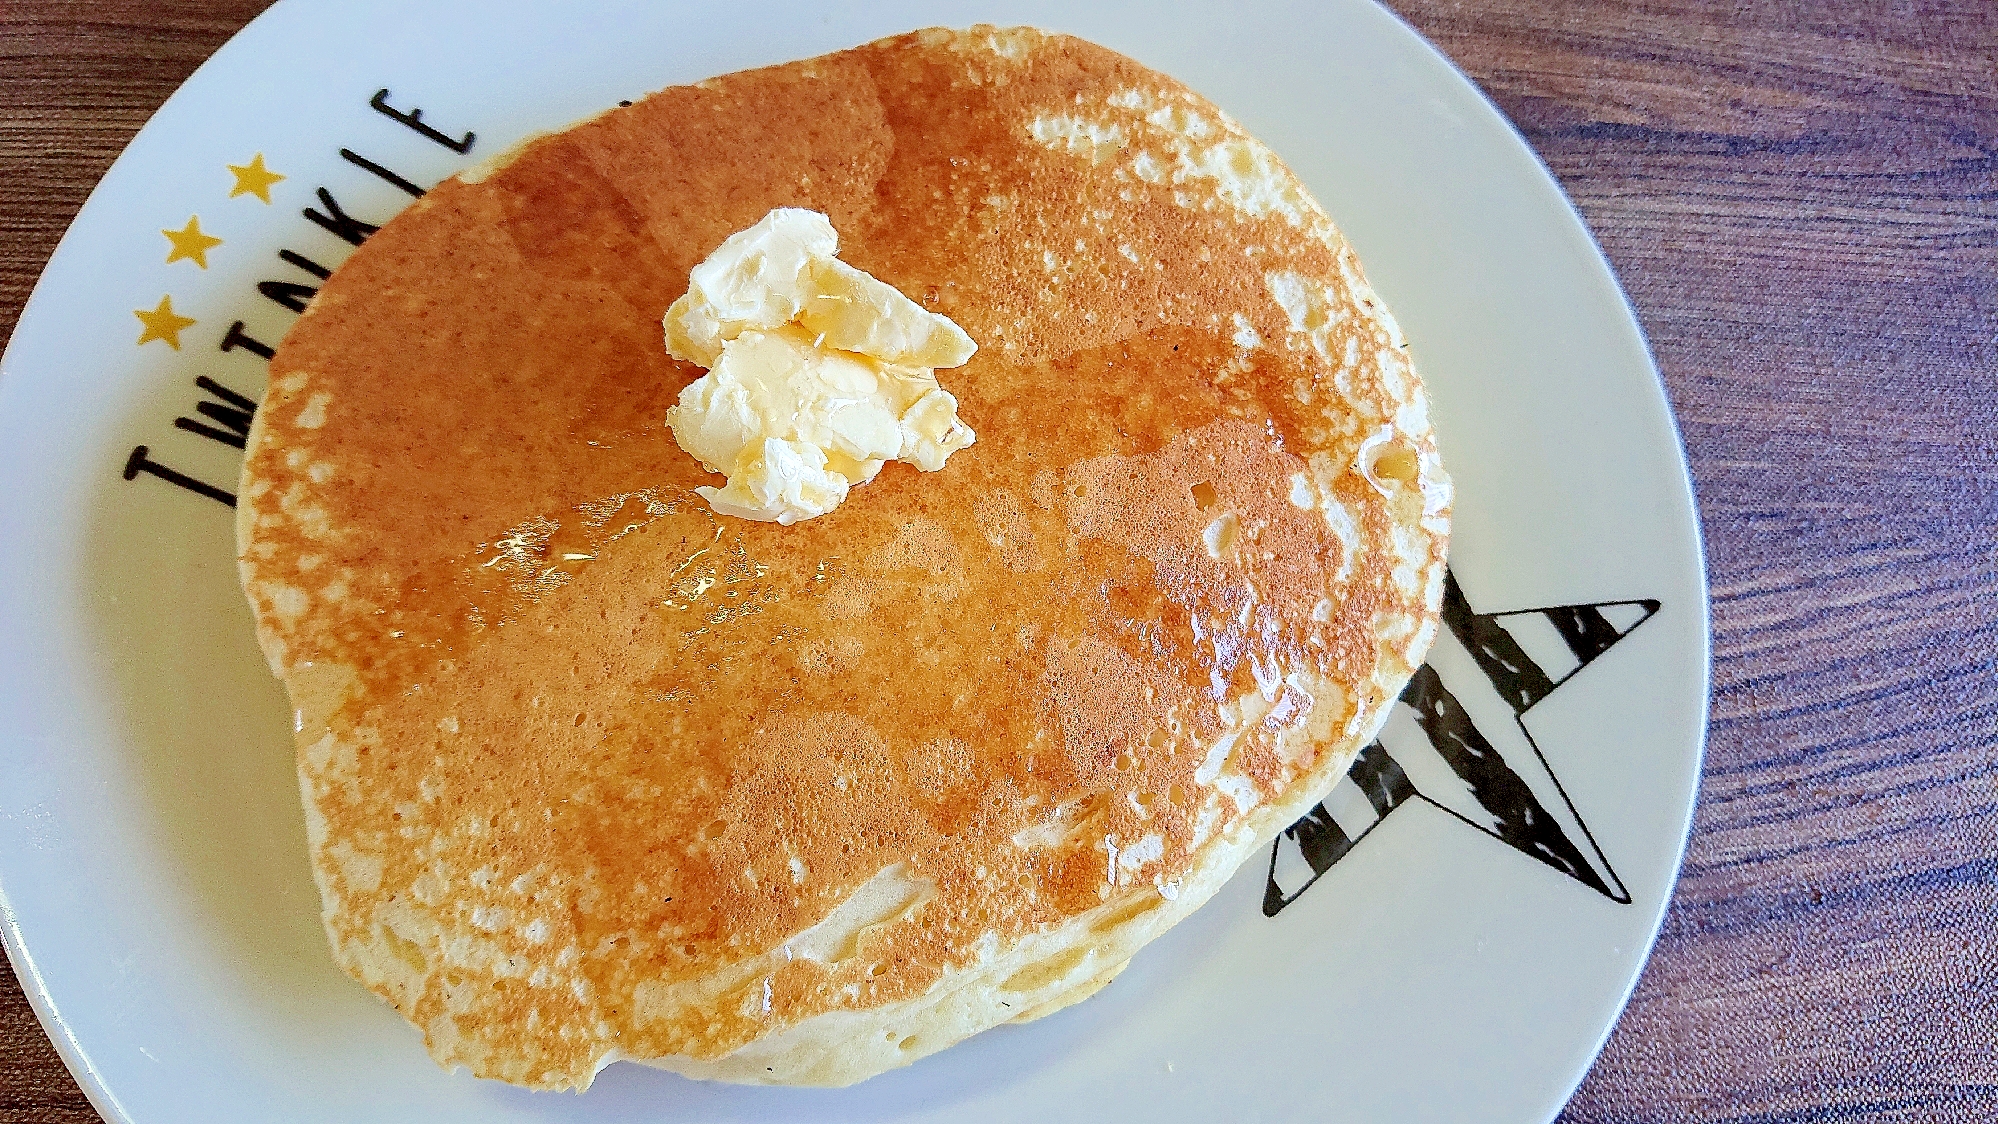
x=591, y=772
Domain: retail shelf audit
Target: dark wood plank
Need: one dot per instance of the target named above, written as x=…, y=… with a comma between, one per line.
x=1802, y=201
x=34, y=1086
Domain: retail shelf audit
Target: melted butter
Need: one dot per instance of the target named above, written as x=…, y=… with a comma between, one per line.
x=818, y=372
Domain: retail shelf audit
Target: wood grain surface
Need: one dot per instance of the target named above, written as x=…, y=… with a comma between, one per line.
x=1802, y=201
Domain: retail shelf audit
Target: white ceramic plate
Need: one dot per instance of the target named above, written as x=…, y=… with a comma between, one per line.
x=1463, y=962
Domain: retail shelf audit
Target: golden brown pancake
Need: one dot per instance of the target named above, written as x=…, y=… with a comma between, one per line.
x=593, y=773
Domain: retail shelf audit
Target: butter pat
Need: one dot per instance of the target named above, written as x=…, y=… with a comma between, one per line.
x=818, y=373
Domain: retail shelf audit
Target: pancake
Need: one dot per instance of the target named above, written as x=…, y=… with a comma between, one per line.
x=592, y=772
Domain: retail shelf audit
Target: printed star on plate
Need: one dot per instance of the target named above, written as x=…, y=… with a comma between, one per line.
x=190, y=243
x=253, y=179
x=1457, y=739
x=162, y=323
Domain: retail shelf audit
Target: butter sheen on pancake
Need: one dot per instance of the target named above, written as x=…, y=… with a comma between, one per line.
x=591, y=772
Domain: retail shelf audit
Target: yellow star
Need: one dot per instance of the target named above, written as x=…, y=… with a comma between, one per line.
x=190, y=243
x=162, y=323
x=253, y=179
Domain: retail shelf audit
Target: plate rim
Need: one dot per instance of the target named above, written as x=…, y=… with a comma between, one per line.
x=1704, y=610
x=92, y=1082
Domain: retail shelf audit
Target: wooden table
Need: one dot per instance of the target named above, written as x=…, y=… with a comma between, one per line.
x=1802, y=200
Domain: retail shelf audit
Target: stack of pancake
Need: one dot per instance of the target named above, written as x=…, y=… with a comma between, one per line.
x=592, y=772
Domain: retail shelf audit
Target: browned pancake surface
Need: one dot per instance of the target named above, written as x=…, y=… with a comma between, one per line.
x=611, y=744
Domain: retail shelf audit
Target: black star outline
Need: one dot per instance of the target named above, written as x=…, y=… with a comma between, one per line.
x=1463, y=771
